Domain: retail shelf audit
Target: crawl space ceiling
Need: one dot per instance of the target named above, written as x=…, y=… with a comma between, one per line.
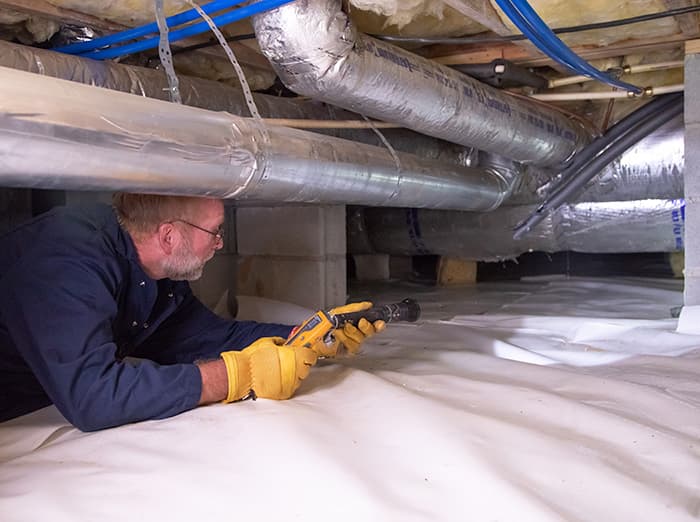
x=45, y=23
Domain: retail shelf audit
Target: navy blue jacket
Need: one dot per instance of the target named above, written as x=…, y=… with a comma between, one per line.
x=74, y=302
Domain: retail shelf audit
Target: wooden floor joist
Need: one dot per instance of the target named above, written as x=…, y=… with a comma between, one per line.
x=457, y=55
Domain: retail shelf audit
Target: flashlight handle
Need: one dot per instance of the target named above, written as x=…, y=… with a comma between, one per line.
x=407, y=310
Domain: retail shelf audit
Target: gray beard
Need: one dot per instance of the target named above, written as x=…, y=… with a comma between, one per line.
x=183, y=266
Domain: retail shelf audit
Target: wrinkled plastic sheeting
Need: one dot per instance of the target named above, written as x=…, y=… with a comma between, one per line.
x=536, y=401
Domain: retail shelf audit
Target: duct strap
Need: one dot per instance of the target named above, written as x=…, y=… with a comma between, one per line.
x=166, y=56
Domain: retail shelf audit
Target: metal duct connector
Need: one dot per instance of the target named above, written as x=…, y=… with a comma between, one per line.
x=317, y=52
x=614, y=227
x=59, y=134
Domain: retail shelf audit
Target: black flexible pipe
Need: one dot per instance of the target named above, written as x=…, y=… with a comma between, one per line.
x=565, y=193
x=614, y=133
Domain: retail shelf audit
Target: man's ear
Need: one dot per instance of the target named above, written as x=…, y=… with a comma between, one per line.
x=168, y=237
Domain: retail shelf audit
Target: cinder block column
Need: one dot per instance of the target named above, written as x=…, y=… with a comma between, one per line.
x=692, y=173
x=690, y=315
x=293, y=254
x=371, y=267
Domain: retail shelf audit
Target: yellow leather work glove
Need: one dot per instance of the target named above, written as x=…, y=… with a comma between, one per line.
x=348, y=338
x=268, y=368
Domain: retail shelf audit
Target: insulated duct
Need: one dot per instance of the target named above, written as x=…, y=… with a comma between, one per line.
x=610, y=227
x=651, y=169
x=59, y=134
x=317, y=52
x=216, y=96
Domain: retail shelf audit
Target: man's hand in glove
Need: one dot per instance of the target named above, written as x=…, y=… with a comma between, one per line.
x=268, y=368
x=349, y=338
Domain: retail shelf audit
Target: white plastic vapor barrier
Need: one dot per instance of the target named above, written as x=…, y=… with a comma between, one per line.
x=549, y=399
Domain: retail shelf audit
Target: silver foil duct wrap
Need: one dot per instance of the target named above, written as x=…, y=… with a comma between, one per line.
x=651, y=169
x=610, y=227
x=56, y=134
x=317, y=52
x=216, y=96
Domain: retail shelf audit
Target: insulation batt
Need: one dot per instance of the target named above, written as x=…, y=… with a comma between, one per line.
x=565, y=13
x=127, y=12
x=402, y=12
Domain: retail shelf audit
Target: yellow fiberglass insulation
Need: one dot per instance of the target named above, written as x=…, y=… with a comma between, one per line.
x=127, y=12
x=401, y=12
x=27, y=28
x=564, y=13
x=373, y=18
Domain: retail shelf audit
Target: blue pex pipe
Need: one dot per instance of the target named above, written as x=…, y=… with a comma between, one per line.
x=532, y=34
x=138, y=32
x=530, y=23
x=191, y=30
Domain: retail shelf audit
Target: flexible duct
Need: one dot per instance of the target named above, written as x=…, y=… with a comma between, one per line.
x=217, y=96
x=610, y=227
x=651, y=169
x=59, y=134
x=572, y=187
x=317, y=52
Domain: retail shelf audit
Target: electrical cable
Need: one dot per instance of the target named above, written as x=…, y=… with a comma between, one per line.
x=560, y=30
x=144, y=30
x=627, y=135
x=522, y=15
x=190, y=30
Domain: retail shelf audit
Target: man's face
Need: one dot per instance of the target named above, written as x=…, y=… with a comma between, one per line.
x=198, y=242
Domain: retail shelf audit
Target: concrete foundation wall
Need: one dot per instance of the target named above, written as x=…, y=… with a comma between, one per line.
x=293, y=254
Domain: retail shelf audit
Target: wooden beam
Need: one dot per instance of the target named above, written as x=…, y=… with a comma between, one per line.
x=482, y=12
x=476, y=54
x=692, y=47
x=688, y=22
x=46, y=10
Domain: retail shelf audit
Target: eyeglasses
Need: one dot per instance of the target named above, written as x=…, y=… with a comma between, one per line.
x=218, y=234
